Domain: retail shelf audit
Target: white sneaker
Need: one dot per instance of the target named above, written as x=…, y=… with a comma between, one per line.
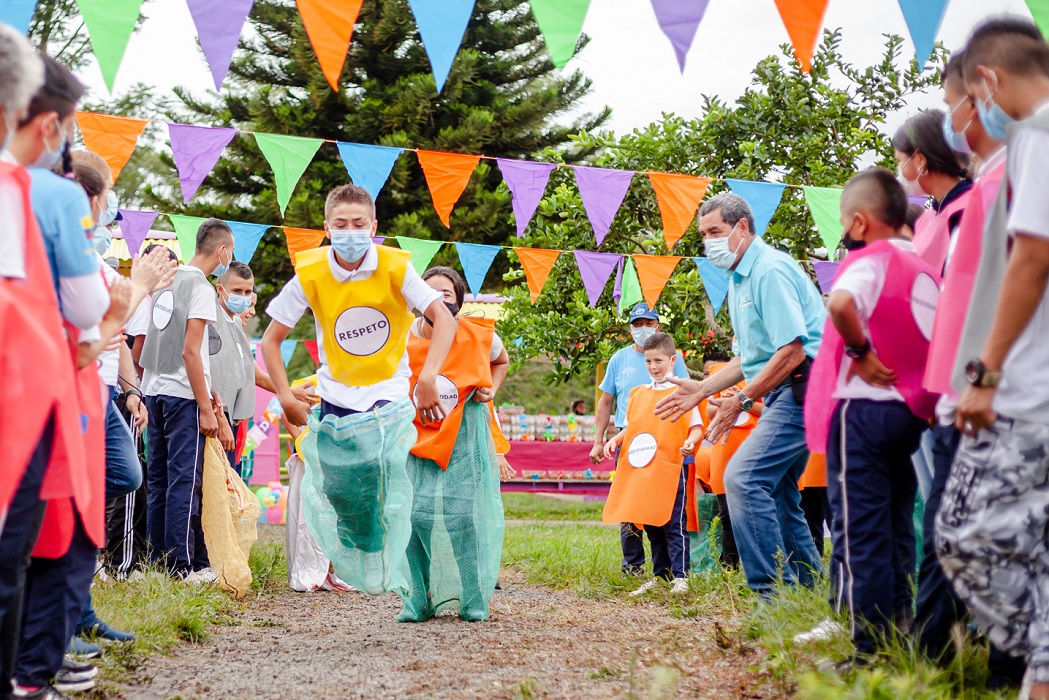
x=203, y=576
x=824, y=630
x=373, y=573
x=679, y=586
x=136, y=576
x=644, y=588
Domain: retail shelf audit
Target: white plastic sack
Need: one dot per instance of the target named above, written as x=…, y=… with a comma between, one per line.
x=308, y=567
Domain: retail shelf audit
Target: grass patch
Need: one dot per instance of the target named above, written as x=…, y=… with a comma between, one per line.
x=528, y=506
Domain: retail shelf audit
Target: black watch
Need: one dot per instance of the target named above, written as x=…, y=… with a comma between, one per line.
x=133, y=392
x=977, y=374
x=858, y=353
x=745, y=402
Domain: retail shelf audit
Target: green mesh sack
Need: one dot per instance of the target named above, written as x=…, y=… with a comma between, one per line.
x=457, y=526
x=704, y=545
x=919, y=531
x=356, y=495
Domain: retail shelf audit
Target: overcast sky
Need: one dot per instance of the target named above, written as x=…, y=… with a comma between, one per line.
x=631, y=63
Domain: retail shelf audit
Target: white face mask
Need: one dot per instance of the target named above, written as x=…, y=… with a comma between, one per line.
x=641, y=333
x=718, y=252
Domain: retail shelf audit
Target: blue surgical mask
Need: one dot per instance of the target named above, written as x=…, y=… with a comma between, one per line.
x=110, y=214
x=48, y=158
x=237, y=304
x=955, y=139
x=641, y=333
x=222, y=269
x=349, y=244
x=994, y=119
x=718, y=251
x=102, y=239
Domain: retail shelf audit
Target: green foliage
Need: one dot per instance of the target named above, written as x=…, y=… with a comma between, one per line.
x=815, y=129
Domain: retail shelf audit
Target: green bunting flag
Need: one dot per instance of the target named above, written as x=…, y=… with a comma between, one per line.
x=1040, y=11
x=561, y=22
x=825, y=205
x=109, y=25
x=186, y=233
x=631, y=288
x=288, y=156
x=422, y=251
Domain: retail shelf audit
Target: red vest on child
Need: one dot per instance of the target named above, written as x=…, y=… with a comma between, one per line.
x=932, y=232
x=900, y=328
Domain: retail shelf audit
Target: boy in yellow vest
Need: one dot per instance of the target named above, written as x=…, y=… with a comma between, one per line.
x=651, y=484
x=356, y=492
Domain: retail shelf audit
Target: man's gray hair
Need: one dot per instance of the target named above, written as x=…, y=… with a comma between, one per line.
x=21, y=71
x=732, y=206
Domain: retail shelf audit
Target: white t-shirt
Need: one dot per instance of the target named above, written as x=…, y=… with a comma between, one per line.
x=1024, y=389
x=202, y=306
x=289, y=306
x=497, y=342
x=138, y=324
x=12, y=228
x=864, y=280
x=695, y=418
x=108, y=360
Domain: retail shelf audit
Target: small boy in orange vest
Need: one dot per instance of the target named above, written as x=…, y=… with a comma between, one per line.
x=651, y=484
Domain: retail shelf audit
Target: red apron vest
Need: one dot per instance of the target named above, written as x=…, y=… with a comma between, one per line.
x=932, y=232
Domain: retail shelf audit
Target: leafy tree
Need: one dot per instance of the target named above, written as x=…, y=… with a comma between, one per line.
x=815, y=129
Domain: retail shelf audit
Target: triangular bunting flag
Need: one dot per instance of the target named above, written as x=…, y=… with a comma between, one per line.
x=299, y=239
x=135, y=226
x=447, y=175
x=196, y=150
x=825, y=205
x=422, y=251
x=476, y=260
x=537, y=263
x=602, y=190
x=679, y=197
x=825, y=274
x=377, y=240
x=186, y=232
x=679, y=21
x=329, y=25
x=288, y=156
x=653, y=271
x=113, y=138
x=631, y=292
x=109, y=26
x=923, y=19
x=311, y=348
x=17, y=13
x=246, y=239
x=715, y=281
x=595, y=269
x=803, y=20
x=763, y=198
x=527, y=182
x=219, y=23
x=368, y=166
x=1040, y=11
x=287, y=349
x=617, y=286
x=441, y=24
x=561, y=22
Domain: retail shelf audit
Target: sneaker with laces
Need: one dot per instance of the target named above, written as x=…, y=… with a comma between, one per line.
x=203, y=576
x=373, y=573
x=823, y=631
x=679, y=587
x=136, y=576
x=644, y=588
x=46, y=692
x=75, y=676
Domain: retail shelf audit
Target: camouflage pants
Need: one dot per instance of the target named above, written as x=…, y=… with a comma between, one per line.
x=991, y=536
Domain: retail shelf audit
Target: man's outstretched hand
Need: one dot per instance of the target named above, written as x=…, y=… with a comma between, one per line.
x=687, y=396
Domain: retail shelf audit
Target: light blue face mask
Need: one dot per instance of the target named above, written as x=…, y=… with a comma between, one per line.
x=351, y=245
x=237, y=304
x=955, y=139
x=48, y=158
x=994, y=119
x=110, y=214
x=221, y=269
x=718, y=251
x=102, y=239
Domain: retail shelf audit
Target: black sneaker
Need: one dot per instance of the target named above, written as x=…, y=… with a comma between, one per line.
x=45, y=693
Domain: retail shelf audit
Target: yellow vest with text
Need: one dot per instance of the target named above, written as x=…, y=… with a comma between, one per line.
x=365, y=322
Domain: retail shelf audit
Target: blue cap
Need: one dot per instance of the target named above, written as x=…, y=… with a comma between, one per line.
x=640, y=311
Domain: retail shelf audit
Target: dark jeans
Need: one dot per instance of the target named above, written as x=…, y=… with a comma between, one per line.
x=729, y=553
x=816, y=506
x=670, y=542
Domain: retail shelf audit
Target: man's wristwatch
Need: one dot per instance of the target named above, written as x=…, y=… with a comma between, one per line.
x=979, y=376
x=858, y=353
x=745, y=402
x=133, y=392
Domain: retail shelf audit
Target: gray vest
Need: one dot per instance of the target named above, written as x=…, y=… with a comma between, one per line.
x=232, y=366
x=166, y=335
x=994, y=256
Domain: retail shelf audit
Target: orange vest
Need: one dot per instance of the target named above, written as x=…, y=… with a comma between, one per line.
x=650, y=463
x=815, y=474
x=721, y=454
x=467, y=367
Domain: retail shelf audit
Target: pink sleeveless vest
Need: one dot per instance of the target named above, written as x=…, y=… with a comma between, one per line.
x=900, y=328
x=959, y=281
x=932, y=233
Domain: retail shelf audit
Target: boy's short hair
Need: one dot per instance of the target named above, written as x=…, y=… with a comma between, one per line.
x=954, y=72
x=212, y=234
x=151, y=246
x=661, y=342
x=1012, y=43
x=348, y=194
x=59, y=93
x=239, y=270
x=878, y=191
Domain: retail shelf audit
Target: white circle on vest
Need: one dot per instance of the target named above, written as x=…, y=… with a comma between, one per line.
x=362, y=330
x=163, y=307
x=641, y=451
x=742, y=419
x=448, y=392
x=924, y=296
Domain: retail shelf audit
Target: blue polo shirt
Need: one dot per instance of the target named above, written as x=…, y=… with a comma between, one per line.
x=64, y=215
x=772, y=303
x=627, y=370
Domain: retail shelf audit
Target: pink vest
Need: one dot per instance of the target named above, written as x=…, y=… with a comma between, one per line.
x=900, y=328
x=959, y=281
x=932, y=232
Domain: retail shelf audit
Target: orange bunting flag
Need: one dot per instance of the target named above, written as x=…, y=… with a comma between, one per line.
x=299, y=239
x=679, y=197
x=803, y=20
x=113, y=138
x=537, y=263
x=653, y=271
x=329, y=25
x=447, y=175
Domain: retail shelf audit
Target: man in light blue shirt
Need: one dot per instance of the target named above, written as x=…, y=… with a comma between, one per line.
x=777, y=315
x=626, y=370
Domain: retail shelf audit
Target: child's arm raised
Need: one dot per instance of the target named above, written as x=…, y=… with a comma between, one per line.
x=427, y=398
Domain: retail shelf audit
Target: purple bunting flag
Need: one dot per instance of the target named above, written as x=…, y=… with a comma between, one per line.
x=602, y=190
x=219, y=24
x=527, y=183
x=196, y=150
x=135, y=226
x=617, y=286
x=825, y=274
x=679, y=21
x=377, y=240
x=595, y=269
